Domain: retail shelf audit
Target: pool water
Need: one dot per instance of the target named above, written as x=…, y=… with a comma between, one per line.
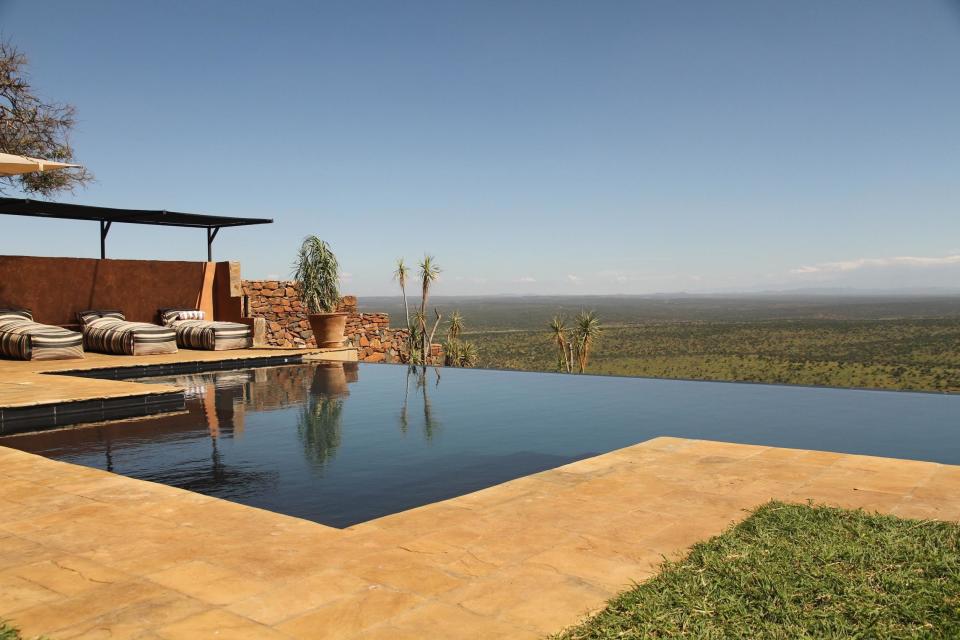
x=343, y=443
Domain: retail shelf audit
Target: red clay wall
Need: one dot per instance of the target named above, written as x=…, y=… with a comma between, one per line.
x=56, y=288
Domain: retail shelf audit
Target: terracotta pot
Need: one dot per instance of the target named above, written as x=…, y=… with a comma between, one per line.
x=328, y=328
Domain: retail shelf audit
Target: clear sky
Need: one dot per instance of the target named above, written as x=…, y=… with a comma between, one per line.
x=532, y=147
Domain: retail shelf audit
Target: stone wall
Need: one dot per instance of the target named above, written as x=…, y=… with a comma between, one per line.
x=278, y=303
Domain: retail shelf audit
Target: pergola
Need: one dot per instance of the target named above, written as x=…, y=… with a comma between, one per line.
x=106, y=216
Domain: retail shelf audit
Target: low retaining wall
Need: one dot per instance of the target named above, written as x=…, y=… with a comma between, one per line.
x=278, y=303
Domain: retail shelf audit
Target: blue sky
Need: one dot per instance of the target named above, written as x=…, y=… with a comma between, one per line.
x=532, y=147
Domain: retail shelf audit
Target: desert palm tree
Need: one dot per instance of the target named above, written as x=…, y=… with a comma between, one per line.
x=586, y=331
x=401, y=274
x=429, y=272
x=558, y=330
x=456, y=326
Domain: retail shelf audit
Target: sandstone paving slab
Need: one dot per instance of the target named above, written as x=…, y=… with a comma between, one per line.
x=88, y=554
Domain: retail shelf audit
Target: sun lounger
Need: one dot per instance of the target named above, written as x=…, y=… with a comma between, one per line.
x=109, y=332
x=193, y=332
x=24, y=339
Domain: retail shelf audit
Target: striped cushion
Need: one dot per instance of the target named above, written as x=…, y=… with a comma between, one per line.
x=212, y=336
x=83, y=317
x=16, y=313
x=167, y=316
x=28, y=340
x=110, y=335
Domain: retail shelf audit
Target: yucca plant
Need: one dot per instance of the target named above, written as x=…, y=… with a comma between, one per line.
x=400, y=274
x=455, y=327
x=429, y=272
x=586, y=331
x=318, y=273
x=558, y=330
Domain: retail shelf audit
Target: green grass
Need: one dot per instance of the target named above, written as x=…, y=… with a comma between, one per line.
x=9, y=633
x=794, y=571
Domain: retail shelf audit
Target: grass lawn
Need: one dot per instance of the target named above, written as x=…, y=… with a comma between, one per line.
x=8, y=633
x=794, y=571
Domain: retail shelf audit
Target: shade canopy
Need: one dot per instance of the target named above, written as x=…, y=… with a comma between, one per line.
x=106, y=216
x=11, y=165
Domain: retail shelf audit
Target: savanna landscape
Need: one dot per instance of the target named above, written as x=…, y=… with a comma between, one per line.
x=870, y=341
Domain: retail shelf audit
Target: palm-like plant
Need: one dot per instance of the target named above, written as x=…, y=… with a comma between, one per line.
x=429, y=272
x=401, y=274
x=318, y=273
x=558, y=329
x=586, y=331
x=456, y=326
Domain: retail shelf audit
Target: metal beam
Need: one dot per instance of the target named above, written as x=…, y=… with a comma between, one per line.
x=104, y=230
x=211, y=234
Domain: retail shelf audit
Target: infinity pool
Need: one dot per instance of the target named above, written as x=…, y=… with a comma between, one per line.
x=341, y=444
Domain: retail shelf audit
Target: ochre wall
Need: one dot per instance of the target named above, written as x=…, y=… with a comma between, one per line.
x=56, y=288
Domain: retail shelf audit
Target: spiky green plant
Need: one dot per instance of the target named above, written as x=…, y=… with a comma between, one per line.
x=468, y=355
x=457, y=353
x=400, y=274
x=586, y=331
x=455, y=328
x=429, y=272
x=558, y=330
x=318, y=274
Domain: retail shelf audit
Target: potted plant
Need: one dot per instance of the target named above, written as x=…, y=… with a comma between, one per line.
x=318, y=273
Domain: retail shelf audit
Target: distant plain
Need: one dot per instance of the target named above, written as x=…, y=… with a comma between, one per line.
x=871, y=341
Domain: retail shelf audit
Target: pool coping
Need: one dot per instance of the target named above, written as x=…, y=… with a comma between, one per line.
x=86, y=552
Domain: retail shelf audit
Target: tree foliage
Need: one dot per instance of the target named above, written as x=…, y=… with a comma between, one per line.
x=30, y=126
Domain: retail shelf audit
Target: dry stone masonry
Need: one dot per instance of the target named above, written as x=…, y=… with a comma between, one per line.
x=278, y=303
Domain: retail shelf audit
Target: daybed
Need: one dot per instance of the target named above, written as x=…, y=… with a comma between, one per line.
x=24, y=339
x=193, y=332
x=109, y=332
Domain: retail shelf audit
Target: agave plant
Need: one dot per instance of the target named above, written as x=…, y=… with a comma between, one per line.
x=457, y=353
x=586, y=332
x=318, y=273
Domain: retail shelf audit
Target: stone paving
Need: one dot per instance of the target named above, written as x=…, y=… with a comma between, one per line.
x=25, y=383
x=88, y=554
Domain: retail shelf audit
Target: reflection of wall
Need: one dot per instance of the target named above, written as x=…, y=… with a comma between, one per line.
x=56, y=288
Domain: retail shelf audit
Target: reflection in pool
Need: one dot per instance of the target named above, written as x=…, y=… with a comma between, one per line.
x=343, y=443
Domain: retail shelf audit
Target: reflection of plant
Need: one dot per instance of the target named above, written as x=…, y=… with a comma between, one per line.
x=430, y=425
x=319, y=427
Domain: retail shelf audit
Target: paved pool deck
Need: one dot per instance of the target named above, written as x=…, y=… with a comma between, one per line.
x=88, y=554
x=25, y=384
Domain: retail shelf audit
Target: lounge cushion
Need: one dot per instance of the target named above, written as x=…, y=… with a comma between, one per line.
x=24, y=339
x=83, y=317
x=112, y=335
x=167, y=316
x=212, y=336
